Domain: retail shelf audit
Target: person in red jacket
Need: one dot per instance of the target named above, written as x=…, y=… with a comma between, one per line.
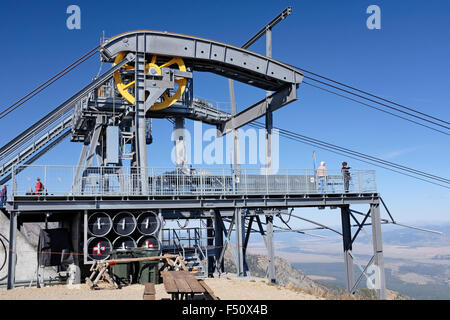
x=39, y=187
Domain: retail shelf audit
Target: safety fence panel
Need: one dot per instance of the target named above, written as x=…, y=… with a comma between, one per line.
x=126, y=181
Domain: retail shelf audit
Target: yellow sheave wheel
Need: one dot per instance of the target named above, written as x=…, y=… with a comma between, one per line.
x=154, y=68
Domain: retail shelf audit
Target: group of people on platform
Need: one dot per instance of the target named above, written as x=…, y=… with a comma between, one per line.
x=39, y=189
x=322, y=176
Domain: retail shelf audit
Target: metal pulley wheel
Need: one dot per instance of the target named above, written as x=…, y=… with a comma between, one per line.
x=124, y=84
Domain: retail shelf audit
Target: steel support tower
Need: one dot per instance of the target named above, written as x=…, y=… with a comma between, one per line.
x=152, y=76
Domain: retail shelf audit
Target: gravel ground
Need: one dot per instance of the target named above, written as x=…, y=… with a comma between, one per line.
x=224, y=288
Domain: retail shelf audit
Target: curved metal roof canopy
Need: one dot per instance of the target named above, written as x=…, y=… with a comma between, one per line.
x=207, y=55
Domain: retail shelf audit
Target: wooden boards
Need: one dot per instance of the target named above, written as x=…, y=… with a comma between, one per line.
x=209, y=294
x=181, y=282
x=184, y=284
x=149, y=291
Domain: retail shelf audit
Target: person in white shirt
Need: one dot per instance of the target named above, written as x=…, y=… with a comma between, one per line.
x=322, y=176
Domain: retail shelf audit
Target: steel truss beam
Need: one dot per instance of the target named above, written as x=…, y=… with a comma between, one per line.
x=70, y=203
x=286, y=12
x=377, y=261
x=271, y=103
x=206, y=55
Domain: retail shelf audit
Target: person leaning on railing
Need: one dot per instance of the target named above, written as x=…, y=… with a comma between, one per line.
x=346, y=176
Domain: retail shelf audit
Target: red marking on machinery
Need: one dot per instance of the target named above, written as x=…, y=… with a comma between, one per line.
x=99, y=249
x=147, y=244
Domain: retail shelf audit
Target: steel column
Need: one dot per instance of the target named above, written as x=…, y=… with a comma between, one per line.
x=270, y=249
x=94, y=141
x=234, y=132
x=85, y=236
x=140, y=136
x=347, y=244
x=162, y=222
x=180, y=147
x=269, y=114
x=12, y=249
x=218, y=241
x=210, y=244
x=378, y=251
x=240, y=230
x=247, y=238
x=77, y=174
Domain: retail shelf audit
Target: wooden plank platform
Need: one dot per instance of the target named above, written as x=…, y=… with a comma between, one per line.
x=149, y=291
x=182, y=284
x=169, y=282
x=191, y=281
x=209, y=294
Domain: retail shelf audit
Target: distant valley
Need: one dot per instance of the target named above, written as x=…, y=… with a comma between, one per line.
x=417, y=263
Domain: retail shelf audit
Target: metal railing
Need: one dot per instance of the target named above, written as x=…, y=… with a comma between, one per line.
x=126, y=181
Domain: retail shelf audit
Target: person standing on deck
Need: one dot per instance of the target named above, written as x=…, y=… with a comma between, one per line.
x=346, y=176
x=322, y=176
x=3, y=196
x=39, y=187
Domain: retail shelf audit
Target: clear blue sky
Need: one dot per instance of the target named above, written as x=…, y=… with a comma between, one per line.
x=407, y=61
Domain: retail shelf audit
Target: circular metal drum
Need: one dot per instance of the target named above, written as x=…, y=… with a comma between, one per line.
x=99, y=248
x=124, y=243
x=148, y=223
x=99, y=224
x=124, y=223
x=149, y=242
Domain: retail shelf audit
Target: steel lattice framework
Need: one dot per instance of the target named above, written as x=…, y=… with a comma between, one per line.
x=151, y=77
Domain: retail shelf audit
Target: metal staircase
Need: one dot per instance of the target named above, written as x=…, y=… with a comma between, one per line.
x=191, y=245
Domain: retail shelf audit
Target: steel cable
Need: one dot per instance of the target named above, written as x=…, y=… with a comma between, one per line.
x=324, y=146
x=371, y=95
x=376, y=108
x=385, y=162
x=47, y=83
x=380, y=103
x=374, y=96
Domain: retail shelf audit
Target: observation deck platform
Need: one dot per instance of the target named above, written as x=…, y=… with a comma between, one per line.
x=184, y=192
